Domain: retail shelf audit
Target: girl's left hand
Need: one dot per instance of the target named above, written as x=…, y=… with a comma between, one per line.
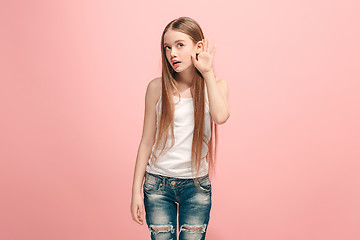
x=205, y=58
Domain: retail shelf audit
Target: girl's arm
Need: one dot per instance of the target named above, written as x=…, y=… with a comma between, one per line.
x=218, y=98
x=148, y=134
x=144, y=151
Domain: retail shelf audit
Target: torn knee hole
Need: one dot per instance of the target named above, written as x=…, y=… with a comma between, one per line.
x=162, y=228
x=193, y=228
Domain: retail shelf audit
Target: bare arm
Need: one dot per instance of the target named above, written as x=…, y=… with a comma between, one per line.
x=148, y=135
x=218, y=98
x=144, y=151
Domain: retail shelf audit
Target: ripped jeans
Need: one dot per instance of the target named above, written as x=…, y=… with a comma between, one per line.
x=165, y=197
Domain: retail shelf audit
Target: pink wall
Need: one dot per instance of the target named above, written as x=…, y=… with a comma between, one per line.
x=73, y=80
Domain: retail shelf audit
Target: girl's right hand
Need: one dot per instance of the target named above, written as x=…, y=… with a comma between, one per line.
x=137, y=208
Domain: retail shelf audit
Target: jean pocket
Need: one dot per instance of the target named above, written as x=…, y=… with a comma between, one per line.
x=151, y=183
x=204, y=184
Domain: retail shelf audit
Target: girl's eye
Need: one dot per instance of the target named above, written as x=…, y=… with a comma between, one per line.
x=178, y=44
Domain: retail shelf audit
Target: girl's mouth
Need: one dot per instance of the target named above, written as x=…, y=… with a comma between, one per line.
x=175, y=64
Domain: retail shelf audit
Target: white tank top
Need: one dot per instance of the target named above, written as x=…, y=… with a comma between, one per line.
x=176, y=162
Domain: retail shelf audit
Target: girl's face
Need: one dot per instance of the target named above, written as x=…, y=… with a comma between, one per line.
x=178, y=48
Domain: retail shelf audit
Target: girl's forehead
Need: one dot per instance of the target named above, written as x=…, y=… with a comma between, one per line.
x=172, y=36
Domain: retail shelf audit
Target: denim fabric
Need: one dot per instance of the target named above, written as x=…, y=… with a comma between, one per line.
x=165, y=197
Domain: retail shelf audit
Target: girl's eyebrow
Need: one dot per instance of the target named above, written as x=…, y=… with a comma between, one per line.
x=176, y=41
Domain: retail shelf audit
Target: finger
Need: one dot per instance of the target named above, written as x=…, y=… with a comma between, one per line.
x=141, y=212
x=141, y=219
x=135, y=215
x=193, y=57
x=213, y=52
x=138, y=219
x=208, y=45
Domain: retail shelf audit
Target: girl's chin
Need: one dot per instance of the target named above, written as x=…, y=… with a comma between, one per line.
x=180, y=68
x=176, y=69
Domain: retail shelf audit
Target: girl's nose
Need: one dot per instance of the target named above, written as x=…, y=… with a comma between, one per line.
x=173, y=53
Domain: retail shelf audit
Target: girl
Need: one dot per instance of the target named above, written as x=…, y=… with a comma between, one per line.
x=184, y=104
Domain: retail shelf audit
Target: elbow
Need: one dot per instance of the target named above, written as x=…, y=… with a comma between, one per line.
x=222, y=119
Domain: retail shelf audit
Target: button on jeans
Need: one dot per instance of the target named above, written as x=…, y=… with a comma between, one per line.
x=165, y=197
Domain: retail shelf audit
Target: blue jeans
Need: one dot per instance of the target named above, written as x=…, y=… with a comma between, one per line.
x=165, y=196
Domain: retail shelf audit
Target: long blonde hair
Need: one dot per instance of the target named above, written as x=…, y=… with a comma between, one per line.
x=190, y=27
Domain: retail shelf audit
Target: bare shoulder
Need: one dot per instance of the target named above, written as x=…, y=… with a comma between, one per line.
x=151, y=97
x=156, y=81
x=153, y=90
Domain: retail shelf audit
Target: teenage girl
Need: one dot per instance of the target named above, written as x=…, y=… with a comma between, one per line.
x=181, y=109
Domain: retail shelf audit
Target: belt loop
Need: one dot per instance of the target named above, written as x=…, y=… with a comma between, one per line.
x=163, y=183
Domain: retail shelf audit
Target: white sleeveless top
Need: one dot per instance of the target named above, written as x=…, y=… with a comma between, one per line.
x=176, y=161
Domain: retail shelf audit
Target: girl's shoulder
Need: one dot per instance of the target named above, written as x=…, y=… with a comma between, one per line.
x=154, y=87
x=156, y=82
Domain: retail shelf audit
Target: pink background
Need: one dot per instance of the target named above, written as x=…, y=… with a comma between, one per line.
x=73, y=81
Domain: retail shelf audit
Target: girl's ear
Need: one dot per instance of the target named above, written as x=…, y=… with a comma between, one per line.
x=199, y=46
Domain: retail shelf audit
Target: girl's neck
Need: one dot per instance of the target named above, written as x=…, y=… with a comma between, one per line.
x=185, y=77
